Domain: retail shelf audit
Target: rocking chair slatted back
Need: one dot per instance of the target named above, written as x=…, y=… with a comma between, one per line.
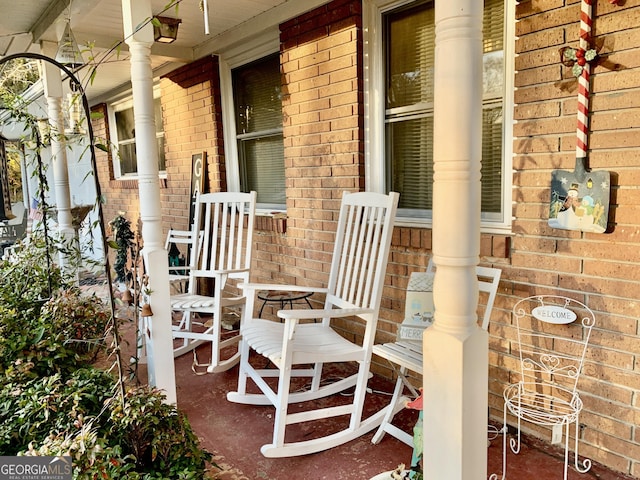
x=357, y=256
x=228, y=236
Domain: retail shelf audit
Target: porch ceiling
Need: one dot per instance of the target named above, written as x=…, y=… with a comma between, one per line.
x=99, y=23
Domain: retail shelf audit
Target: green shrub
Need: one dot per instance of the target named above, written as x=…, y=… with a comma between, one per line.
x=144, y=439
x=27, y=343
x=157, y=435
x=30, y=411
x=77, y=320
x=52, y=402
x=90, y=455
x=29, y=279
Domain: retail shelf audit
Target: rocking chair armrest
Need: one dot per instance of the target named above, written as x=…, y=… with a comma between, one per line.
x=307, y=314
x=280, y=288
x=179, y=269
x=292, y=317
x=212, y=273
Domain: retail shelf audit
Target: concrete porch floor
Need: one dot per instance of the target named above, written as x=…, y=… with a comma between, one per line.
x=234, y=434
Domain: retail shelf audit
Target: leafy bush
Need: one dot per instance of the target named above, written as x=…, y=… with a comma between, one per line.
x=157, y=435
x=29, y=279
x=90, y=456
x=144, y=438
x=52, y=402
x=57, y=337
x=77, y=320
x=32, y=410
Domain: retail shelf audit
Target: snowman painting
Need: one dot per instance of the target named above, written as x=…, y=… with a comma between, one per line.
x=577, y=208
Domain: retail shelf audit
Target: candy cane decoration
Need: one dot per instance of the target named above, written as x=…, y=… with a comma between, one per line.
x=583, y=79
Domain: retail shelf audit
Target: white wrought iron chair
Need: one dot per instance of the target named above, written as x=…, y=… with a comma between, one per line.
x=226, y=219
x=407, y=355
x=552, y=337
x=298, y=349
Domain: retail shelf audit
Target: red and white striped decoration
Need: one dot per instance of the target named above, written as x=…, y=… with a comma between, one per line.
x=583, y=80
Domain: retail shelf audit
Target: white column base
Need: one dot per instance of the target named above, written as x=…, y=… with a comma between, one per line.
x=455, y=397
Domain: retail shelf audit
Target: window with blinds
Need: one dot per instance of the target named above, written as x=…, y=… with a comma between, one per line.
x=125, y=137
x=409, y=36
x=258, y=115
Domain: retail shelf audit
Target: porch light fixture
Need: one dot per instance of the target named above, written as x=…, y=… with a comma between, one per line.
x=68, y=52
x=165, y=29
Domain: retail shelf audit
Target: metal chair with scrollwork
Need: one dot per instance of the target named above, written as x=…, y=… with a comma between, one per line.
x=552, y=337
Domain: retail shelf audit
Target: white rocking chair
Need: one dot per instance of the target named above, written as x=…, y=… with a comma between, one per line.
x=407, y=355
x=226, y=219
x=553, y=334
x=179, y=274
x=355, y=285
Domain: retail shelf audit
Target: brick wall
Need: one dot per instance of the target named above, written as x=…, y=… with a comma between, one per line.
x=602, y=270
x=190, y=98
x=192, y=116
x=321, y=59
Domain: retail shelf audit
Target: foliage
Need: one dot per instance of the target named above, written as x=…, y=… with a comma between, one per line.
x=123, y=242
x=90, y=455
x=17, y=76
x=30, y=345
x=31, y=410
x=158, y=436
x=53, y=402
x=78, y=321
x=142, y=438
x=14, y=171
x=30, y=277
x=46, y=326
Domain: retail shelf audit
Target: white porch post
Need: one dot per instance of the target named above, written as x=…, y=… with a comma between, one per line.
x=160, y=364
x=53, y=94
x=455, y=348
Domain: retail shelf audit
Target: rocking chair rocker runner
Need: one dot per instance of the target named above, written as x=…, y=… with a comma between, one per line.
x=224, y=250
x=354, y=289
x=553, y=334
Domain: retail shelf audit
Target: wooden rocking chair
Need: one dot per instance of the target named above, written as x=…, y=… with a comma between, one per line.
x=407, y=356
x=226, y=219
x=356, y=279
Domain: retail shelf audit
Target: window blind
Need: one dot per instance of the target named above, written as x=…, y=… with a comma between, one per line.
x=409, y=37
x=258, y=106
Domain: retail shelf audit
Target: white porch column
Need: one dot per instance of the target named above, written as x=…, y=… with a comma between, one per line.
x=53, y=94
x=455, y=348
x=160, y=352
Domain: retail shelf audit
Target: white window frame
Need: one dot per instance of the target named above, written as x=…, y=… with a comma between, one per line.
x=124, y=102
x=374, y=107
x=260, y=46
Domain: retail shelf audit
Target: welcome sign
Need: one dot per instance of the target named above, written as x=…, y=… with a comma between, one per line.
x=554, y=314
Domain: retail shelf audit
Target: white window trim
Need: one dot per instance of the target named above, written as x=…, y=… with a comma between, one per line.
x=374, y=108
x=123, y=102
x=267, y=43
